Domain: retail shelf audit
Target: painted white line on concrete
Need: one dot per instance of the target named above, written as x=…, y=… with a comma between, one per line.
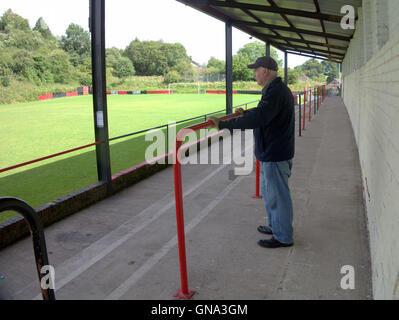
x=76, y=265
x=79, y=263
x=139, y=273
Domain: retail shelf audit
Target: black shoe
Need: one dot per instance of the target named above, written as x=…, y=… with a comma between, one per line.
x=265, y=230
x=273, y=243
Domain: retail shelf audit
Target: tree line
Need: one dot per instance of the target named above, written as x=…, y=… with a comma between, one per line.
x=36, y=55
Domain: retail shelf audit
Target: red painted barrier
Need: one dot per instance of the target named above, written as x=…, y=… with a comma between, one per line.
x=219, y=91
x=45, y=97
x=122, y=92
x=72, y=94
x=159, y=91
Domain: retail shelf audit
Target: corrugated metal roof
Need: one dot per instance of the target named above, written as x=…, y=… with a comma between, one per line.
x=309, y=27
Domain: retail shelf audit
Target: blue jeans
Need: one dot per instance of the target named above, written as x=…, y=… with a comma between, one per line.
x=277, y=198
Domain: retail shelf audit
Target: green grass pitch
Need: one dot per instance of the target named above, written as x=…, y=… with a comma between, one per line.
x=37, y=129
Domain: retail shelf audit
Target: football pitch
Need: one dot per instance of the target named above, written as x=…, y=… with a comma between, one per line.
x=37, y=129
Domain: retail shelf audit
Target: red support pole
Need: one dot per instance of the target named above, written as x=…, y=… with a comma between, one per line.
x=257, y=182
x=321, y=94
x=320, y=97
x=310, y=105
x=304, y=109
x=184, y=292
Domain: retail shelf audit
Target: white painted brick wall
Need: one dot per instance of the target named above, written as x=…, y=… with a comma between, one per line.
x=393, y=16
x=371, y=95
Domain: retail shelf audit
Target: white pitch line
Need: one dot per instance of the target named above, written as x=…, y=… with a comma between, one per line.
x=139, y=273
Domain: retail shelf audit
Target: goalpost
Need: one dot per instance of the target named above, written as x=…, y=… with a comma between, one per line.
x=184, y=87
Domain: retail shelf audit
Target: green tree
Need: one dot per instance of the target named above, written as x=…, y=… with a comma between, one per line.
x=172, y=77
x=254, y=50
x=77, y=43
x=313, y=69
x=15, y=32
x=23, y=63
x=157, y=58
x=6, y=63
x=60, y=66
x=293, y=76
x=176, y=57
x=84, y=72
x=11, y=21
x=124, y=68
x=218, y=66
x=240, y=68
x=29, y=40
x=330, y=70
x=121, y=66
x=42, y=27
x=147, y=57
x=41, y=66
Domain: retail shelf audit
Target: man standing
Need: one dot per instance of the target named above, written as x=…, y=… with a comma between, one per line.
x=273, y=122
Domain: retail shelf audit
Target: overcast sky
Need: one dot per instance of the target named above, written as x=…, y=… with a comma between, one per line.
x=169, y=20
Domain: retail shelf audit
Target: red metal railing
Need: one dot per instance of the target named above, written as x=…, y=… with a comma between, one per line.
x=257, y=181
x=184, y=292
x=50, y=156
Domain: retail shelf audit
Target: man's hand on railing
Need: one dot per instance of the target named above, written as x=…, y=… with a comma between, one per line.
x=215, y=121
x=240, y=110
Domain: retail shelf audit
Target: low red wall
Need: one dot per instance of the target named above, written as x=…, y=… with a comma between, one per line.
x=219, y=91
x=72, y=94
x=46, y=96
x=159, y=91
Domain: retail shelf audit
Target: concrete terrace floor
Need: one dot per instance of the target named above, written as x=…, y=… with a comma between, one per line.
x=125, y=247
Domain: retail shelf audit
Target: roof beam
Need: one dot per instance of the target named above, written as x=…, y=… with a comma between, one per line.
x=320, y=50
x=274, y=9
x=305, y=50
x=321, y=44
x=312, y=56
x=260, y=21
x=201, y=6
x=290, y=29
x=288, y=21
x=316, y=4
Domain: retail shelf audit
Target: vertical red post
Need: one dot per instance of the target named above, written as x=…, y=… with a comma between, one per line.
x=320, y=96
x=310, y=105
x=183, y=293
x=304, y=108
x=257, y=181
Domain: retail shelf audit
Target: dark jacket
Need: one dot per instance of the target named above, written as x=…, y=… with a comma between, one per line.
x=273, y=122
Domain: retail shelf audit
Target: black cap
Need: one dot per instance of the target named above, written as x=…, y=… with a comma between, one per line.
x=265, y=62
